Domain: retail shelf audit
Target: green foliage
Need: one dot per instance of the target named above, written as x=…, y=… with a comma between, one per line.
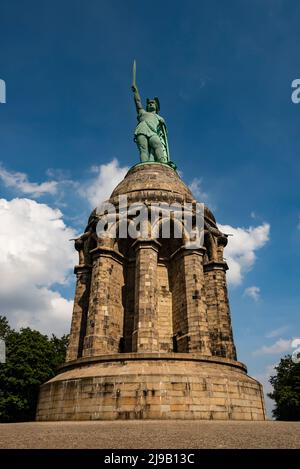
x=60, y=347
x=31, y=359
x=286, y=393
x=5, y=329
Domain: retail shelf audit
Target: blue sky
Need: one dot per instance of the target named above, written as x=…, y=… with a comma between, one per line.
x=223, y=73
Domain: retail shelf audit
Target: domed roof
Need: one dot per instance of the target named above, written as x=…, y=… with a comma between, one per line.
x=153, y=182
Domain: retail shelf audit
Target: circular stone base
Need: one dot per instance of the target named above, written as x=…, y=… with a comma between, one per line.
x=151, y=386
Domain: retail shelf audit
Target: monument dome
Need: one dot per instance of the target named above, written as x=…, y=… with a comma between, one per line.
x=153, y=182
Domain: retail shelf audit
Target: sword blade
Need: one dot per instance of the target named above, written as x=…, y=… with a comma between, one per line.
x=134, y=73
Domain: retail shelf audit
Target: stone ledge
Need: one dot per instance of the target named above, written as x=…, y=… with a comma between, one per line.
x=122, y=357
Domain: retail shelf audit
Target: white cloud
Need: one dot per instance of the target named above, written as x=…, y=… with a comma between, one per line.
x=196, y=188
x=99, y=188
x=276, y=332
x=253, y=292
x=280, y=346
x=19, y=181
x=35, y=254
x=95, y=190
x=240, y=251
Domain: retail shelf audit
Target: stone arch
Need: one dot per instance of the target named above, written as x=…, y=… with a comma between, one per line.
x=178, y=224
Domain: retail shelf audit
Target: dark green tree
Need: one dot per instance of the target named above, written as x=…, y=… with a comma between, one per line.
x=286, y=390
x=31, y=359
x=60, y=348
x=5, y=328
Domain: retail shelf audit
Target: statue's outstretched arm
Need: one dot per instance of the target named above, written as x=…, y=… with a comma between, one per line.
x=137, y=98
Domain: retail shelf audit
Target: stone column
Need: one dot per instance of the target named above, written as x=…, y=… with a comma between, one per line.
x=196, y=312
x=106, y=311
x=145, y=334
x=129, y=305
x=218, y=310
x=80, y=311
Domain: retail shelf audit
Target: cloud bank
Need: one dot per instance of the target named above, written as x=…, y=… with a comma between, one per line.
x=20, y=182
x=279, y=346
x=241, y=250
x=35, y=256
x=252, y=292
x=106, y=178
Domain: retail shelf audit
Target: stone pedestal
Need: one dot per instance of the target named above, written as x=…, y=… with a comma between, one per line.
x=151, y=334
x=152, y=386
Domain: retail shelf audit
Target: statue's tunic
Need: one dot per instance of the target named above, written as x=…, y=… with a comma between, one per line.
x=148, y=124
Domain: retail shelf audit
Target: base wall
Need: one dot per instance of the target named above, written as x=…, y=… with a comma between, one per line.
x=152, y=388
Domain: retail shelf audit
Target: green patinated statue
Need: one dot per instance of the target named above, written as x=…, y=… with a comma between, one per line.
x=151, y=133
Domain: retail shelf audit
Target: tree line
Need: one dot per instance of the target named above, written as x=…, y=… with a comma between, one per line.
x=31, y=359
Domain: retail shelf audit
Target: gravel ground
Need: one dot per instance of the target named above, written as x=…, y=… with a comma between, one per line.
x=151, y=434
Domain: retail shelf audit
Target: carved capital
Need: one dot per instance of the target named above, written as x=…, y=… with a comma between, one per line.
x=146, y=244
x=213, y=265
x=183, y=251
x=82, y=269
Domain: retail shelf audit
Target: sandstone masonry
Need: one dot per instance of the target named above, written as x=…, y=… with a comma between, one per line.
x=151, y=333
